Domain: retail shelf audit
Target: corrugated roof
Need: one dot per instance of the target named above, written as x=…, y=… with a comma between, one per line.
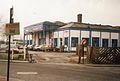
x=87, y=25
x=59, y=23
x=46, y=25
x=33, y=28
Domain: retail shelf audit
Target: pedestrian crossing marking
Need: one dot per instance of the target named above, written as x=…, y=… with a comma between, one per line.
x=27, y=73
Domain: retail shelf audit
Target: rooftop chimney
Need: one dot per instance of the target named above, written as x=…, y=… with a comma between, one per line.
x=79, y=18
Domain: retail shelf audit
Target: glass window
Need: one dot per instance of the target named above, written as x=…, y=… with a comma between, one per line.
x=74, y=41
x=114, y=42
x=30, y=42
x=55, y=42
x=66, y=41
x=60, y=41
x=104, y=42
x=95, y=41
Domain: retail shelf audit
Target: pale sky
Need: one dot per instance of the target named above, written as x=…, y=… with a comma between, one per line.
x=29, y=12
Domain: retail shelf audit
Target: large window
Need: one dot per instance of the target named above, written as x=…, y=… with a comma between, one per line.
x=104, y=42
x=74, y=41
x=55, y=42
x=114, y=42
x=66, y=41
x=95, y=41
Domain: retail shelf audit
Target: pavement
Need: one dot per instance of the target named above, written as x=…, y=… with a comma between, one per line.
x=3, y=78
x=14, y=61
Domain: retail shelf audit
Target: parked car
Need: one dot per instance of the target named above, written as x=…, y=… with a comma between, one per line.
x=3, y=46
x=20, y=46
x=30, y=47
x=38, y=48
x=14, y=48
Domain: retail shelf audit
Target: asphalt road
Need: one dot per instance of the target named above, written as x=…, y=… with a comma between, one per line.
x=60, y=72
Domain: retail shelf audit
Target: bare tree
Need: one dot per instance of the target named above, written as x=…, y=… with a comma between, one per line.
x=2, y=30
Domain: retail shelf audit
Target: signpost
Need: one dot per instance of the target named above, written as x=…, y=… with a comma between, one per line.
x=11, y=29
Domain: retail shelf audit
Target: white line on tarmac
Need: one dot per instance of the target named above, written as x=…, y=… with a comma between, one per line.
x=27, y=73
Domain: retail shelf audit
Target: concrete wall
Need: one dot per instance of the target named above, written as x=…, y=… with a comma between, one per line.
x=95, y=34
x=66, y=33
x=56, y=35
x=114, y=35
x=85, y=34
x=75, y=33
x=105, y=35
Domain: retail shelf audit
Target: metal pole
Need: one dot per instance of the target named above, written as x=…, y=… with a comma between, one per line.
x=8, y=60
x=8, y=66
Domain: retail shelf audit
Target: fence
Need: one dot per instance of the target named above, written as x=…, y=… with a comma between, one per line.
x=100, y=55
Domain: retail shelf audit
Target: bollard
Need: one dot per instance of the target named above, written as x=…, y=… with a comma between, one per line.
x=25, y=52
x=31, y=58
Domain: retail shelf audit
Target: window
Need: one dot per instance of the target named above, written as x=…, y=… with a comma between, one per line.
x=114, y=42
x=66, y=41
x=74, y=41
x=55, y=42
x=95, y=41
x=30, y=42
x=60, y=41
x=27, y=41
x=104, y=42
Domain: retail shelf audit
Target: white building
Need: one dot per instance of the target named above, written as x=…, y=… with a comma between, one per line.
x=96, y=35
x=70, y=34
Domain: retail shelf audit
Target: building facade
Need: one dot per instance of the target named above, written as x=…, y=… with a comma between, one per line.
x=59, y=34
x=41, y=33
x=96, y=35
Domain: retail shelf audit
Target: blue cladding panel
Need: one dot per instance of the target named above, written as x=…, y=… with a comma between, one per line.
x=92, y=29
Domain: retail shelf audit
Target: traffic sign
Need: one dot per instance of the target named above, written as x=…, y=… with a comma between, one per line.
x=12, y=29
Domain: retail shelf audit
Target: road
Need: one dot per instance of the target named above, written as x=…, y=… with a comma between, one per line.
x=60, y=72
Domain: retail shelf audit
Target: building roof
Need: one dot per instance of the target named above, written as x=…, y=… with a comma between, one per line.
x=46, y=25
x=87, y=25
x=60, y=23
x=33, y=28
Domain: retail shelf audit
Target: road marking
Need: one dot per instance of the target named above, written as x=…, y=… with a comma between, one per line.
x=27, y=73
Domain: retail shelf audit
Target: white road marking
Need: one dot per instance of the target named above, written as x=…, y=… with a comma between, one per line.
x=27, y=73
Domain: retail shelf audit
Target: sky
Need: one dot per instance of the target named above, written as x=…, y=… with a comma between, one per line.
x=29, y=12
